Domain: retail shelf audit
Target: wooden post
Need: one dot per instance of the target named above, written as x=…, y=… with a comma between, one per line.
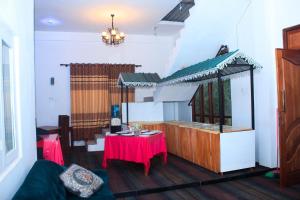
x=221, y=107
x=201, y=102
x=127, y=114
x=210, y=103
x=252, y=97
x=121, y=102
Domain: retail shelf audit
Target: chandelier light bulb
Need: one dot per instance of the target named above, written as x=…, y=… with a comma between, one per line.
x=113, y=32
x=104, y=33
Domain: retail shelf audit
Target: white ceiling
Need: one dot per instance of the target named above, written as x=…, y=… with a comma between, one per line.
x=131, y=16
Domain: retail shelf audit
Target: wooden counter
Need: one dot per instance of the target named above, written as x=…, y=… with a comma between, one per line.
x=203, y=144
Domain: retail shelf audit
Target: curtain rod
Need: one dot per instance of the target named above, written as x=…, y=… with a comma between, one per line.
x=67, y=65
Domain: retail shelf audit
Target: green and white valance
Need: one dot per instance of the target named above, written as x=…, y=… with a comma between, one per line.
x=227, y=64
x=134, y=80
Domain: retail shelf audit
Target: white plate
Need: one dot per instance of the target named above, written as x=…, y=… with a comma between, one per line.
x=151, y=132
x=127, y=134
x=111, y=134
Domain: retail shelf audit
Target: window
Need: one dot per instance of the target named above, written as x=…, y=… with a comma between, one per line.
x=8, y=134
x=206, y=103
x=7, y=99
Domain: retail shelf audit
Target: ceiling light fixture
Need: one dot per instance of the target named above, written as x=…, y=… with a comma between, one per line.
x=50, y=21
x=112, y=36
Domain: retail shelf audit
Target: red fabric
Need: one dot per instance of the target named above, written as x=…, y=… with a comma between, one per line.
x=135, y=149
x=52, y=149
x=40, y=144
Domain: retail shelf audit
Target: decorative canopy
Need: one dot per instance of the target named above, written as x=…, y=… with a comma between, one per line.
x=138, y=79
x=224, y=65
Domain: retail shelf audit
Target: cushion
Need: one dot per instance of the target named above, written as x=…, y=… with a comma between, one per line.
x=104, y=193
x=42, y=182
x=81, y=181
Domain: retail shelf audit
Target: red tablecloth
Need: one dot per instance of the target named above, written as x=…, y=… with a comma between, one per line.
x=51, y=148
x=135, y=149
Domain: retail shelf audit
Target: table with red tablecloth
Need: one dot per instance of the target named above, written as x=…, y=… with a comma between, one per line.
x=51, y=148
x=139, y=149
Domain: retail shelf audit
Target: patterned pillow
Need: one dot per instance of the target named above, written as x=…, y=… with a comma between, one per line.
x=81, y=181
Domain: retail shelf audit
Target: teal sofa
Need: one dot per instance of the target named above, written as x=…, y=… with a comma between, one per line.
x=43, y=183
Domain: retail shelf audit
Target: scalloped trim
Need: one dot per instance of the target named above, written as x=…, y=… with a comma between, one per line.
x=139, y=84
x=220, y=66
x=135, y=84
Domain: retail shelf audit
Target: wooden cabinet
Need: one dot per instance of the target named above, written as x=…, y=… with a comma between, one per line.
x=215, y=152
x=158, y=126
x=147, y=126
x=198, y=146
x=203, y=147
x=184, y=143
x=172, y=139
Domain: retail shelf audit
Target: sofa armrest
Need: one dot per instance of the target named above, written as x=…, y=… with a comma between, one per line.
x=42, y=182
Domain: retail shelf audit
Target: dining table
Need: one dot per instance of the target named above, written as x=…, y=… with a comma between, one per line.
x=135, y=148
x=50, y=143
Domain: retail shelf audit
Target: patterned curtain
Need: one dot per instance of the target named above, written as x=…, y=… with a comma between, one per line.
x=115, y=91
x=93, y=91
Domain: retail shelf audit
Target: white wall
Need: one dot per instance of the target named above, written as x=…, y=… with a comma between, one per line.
x=18, y=15
x=170, y=111
x=157, y=111
x=253, y=35
x=143, y=112
x=241, y=101
x=175, y=92
x=209, y=25
x=184, y=111
x=54, y=48
x=178, y=110
x=258, y=33
x=285, y=15
x=254, y=27
x=176, y=99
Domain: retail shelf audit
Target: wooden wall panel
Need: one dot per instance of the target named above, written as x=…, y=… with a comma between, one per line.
x=201, y=148
x=161, y=127
x=194, y=144
x=291, y=37
x=294, y=40
x=184, y=143
x=175, y=139
x=215, y=152
x=198, y=146
x=147, y=126
x=172, y=141
x=168, y=137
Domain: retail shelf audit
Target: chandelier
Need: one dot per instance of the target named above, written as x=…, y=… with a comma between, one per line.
x=112, y=36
